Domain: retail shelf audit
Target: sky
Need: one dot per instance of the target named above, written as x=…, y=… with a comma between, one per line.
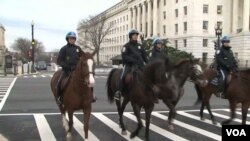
x=52, y=18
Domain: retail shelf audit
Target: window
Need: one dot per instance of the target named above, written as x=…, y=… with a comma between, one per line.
x=127, y=17
x=123, y=18
x=127, y=27
x=164, y=2
x=205, y=8
x=185, y=10
x=164, y=15
x=219, y=9
x=176, y=12
x=204, y=57
x=205, y=42
x=176, y=44
x=185, y=26
x=164, y=29
x=185, y=42
x=176, y=28
x=176, y=1
x=205, y=25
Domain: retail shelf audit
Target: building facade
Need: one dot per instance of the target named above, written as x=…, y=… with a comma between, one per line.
x=189, y=25
x=2, y=47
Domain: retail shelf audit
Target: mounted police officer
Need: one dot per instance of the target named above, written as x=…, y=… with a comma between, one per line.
x=68, y=57
x=226, y=62
x=133, y=57
x=157, y=51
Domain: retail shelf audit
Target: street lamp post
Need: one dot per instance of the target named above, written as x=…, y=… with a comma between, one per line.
x=33, y=46
x=218, y=33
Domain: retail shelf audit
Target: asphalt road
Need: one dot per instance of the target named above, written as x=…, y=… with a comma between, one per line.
x=30, y=102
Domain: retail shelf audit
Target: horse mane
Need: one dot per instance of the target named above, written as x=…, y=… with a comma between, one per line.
x=180, y=63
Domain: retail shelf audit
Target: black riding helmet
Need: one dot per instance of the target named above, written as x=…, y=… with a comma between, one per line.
x=131, y=32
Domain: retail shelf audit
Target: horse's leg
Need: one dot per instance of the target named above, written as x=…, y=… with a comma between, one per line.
x=137, y=110
x=207, y=104
x=70, y=123
x=148, y=116
x=244, y=110
x=87, y=112
x=232, y=108
x=124, y=103
x=171, y=114
x=64, y=119
x=199, y=94
x=201, y=109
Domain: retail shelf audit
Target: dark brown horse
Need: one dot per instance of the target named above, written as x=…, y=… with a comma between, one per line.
x=182, y=71
x=237, y=91
x=138, y=93
x=77, y=94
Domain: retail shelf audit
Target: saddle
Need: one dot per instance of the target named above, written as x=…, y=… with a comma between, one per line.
x=65, y=81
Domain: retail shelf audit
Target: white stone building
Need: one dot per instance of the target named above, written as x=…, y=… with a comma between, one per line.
x=2, y=47
x=189, y=24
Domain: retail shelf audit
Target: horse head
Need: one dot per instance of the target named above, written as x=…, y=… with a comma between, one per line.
x=85, y=69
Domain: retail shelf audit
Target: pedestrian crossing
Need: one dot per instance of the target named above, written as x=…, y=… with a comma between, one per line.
x=104, y=126
x=49, y=76
x=6, y=84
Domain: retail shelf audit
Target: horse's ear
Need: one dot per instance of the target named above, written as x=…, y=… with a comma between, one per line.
x=94, y=52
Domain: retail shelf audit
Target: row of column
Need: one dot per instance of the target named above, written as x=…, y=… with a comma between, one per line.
x=246, y=15
x=138, y=17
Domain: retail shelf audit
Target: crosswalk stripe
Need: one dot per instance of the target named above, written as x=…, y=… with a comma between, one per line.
x=7, y=93
x=197, y=118
x=226, y=117
x=34, y=76
x=187, y=126
x=25, y=76
x=43, y=75
x=44, y=129
x=157, y=129
x=237, y=112
x=79, y=128
x=113, y=126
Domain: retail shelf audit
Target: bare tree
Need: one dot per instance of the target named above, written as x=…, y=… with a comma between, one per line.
x=23, y=46
x=95, y=29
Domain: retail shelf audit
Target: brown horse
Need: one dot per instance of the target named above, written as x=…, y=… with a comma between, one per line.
x=77, y=94
x=139, y=93
x=237, y=91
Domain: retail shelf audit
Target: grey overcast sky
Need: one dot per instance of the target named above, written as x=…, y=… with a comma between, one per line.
x=52, y=18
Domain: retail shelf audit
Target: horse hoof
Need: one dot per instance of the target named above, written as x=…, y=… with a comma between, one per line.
x=69, y=137
x=132, y=135
x=202, y=118
x=171, y=127
x=124, y=132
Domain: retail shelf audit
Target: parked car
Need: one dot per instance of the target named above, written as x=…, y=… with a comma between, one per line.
x=41, y=65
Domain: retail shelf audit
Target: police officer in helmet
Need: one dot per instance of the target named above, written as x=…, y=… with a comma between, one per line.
x=226, y=62
x=68, y=58
x=157, y=51
x=133, y=56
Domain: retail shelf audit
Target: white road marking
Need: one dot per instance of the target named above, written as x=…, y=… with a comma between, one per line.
x=79, y=128
x=237, y=112
x=197, y=118
x=44, y=129
x=226, y=117
x=34, y=76
x=7, y=93
x=157, y=129
x=43, y=75
x=114, y=126
x=190, y=127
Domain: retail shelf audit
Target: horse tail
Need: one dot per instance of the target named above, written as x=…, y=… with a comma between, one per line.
x=110, y=92
x=199, y=94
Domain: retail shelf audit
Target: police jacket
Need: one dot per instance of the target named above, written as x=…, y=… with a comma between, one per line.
x=134, y=54
x=225, y=59
x=156, y=54
x=68, y=57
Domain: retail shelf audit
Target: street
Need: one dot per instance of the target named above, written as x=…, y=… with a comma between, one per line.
x=28, y=112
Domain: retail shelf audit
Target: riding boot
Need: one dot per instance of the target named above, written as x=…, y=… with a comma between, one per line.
x=94, y=98
x=118, y=92
x=58, y=89
x=156, y=90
